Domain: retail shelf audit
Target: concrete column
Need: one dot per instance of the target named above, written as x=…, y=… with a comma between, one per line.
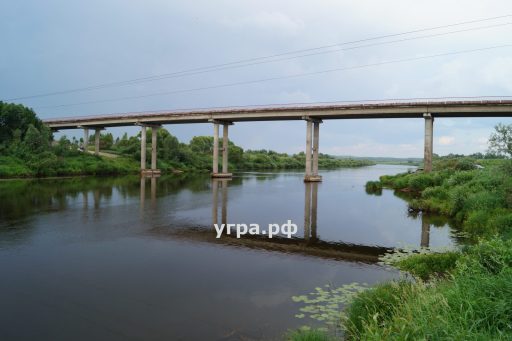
x=143, y=148
x=308, y=147
x=97, y=141
x=225, y=149
x=154, y=132
x=429, y=140
x=215, y=166
x=316, y=138
x=86, y=139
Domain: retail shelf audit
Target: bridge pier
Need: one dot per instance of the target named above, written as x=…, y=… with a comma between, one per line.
x=86, y=139
x=154, y=171
x=143, y=148
x=312, y=142
x=429, y=142
x=97, y=141
x=154, y=133
x=225, y=148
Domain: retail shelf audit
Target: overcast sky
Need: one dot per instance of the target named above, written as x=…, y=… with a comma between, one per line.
x=54, y=45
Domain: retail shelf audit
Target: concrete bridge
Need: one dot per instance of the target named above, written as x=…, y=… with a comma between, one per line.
x=312, y=114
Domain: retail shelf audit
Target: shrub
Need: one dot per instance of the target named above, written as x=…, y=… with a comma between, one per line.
x=373, y=187
x=459, y=178
x=502, y=222
x=418, y=182
x=489, y=256
x=425, y=266
x=435, y=192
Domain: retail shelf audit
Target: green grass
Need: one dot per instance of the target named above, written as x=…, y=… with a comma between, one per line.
x=479, y=199
x=376, y=305
x=475, y=303
x=48, y=164
x=426, y=266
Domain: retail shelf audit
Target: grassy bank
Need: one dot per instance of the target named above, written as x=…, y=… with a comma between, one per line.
x=52, y=165
x=78, y=163
x=457, y=295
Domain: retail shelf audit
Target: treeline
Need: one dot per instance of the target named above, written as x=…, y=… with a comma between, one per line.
x=198, y=154
x=27, y=149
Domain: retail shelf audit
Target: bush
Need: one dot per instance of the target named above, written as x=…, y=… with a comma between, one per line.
x=477, y=223
x=489, y=256
x=426, y=266
x=459, y=178
x=502, y=223
x=373, y=187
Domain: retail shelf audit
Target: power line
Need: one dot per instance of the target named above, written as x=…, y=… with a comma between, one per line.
x=265, y=59
x=395, y=61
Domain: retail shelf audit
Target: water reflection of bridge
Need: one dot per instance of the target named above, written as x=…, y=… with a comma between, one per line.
x=309, y=244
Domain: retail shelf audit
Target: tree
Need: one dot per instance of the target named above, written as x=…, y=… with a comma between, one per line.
x=500, y=141
x=170, y=148
x=202, y=144
x=106, y=141
x=35, y=141
x=15, y=117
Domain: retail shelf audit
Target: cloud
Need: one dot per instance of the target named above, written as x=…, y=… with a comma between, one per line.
x=170, y=36
x=275, y=22
x=376, y=149
x=446, y=140
x=297, y=96
x=499, y=73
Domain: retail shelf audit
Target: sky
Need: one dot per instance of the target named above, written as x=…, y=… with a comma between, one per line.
x=50, y=46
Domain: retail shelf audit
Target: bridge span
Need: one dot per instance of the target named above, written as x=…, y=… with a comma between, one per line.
x=313, y=114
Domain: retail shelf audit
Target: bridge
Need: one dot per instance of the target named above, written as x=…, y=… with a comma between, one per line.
x=312, y=114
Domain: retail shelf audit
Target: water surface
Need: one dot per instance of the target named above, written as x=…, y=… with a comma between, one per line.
x=124, y=259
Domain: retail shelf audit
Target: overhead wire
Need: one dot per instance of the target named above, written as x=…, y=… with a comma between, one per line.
x=272, y=58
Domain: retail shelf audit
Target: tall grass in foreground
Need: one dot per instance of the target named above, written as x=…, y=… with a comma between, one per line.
x=475, y=303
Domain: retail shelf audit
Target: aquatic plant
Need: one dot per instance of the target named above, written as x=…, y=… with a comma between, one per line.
x=325, y=305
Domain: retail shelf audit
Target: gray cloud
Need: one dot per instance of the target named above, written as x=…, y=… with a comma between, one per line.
x=55, y=45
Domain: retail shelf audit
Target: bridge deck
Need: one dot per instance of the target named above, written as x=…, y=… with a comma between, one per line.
x=352, y=110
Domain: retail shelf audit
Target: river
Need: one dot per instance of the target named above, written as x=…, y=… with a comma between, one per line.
x=119, y=259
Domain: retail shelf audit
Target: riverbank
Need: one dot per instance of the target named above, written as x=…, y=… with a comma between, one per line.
x=77, y=164
x=463, y=294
